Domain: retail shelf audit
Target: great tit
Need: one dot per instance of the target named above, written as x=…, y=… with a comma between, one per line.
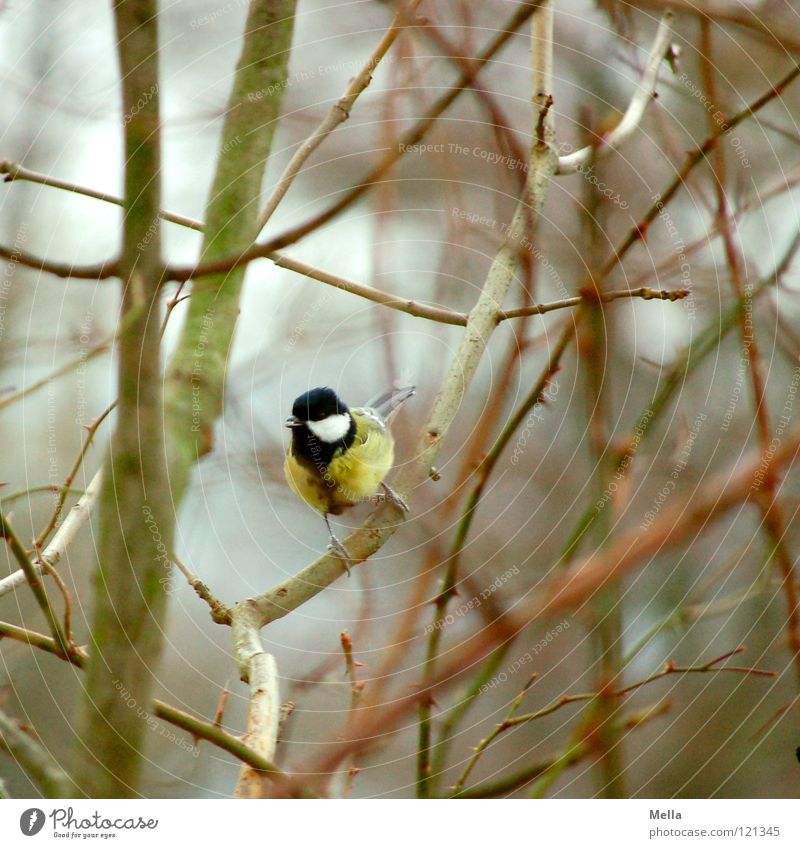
x=339, y=457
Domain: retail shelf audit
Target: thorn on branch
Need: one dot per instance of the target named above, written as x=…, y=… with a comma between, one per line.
x=223, y=700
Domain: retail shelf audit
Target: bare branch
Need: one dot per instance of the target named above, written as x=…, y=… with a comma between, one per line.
x=693, y=158
x=25, y=391
x=14, y=171
x=410, y=307
x=411, y=137
x=675, y=525
x=339, y=112
x=644, y=293
x=573, y=755
x=216, y=736
x=263, y=723
x=45, y=643
x=34, y=760
x=65, y=270
x=61, y=638
x=219, y=612
x=41, y=539
x=645, y=92
x=55, y=551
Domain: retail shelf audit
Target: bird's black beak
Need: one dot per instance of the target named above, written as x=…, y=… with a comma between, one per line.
x=293, y=421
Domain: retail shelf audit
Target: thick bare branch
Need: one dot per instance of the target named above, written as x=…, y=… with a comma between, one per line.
x=263, y=723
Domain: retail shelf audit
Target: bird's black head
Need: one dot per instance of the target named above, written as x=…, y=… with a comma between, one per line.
x=321, y=425
x=317, y=404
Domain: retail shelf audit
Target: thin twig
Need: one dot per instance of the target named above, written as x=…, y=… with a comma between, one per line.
x=47, y=488
x=220, y=613
x=643, y=292
x=14, y=171
x=453, y=561
x=669, y=668
x=350, y=663
x=693, y=158
x=487, y=741
x=65, y=270
x=65, y=595
x=32, y=576
x=457, y=712
x=103, y=347
x=92, y=429
x=356, y=691
x=339, y=112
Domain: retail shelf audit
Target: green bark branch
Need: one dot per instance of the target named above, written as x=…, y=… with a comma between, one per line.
x=135, y=508
x=34, y=759
x=196, y=375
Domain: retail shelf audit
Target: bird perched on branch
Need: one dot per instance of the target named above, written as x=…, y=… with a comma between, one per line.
x=339, y=457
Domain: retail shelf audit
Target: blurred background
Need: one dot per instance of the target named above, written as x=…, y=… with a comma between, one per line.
x=429, y=233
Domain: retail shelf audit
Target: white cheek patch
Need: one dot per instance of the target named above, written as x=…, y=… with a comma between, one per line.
x=331, y=429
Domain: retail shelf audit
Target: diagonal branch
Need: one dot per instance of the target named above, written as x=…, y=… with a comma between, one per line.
x=252, y=614
x=61, y=638
x=693, y=158
x=676, y=526
x=216, y=736
x=574, y=754
x=45, y=643
x=34, y=759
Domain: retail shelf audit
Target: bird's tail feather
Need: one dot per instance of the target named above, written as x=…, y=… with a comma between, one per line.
x=387, y=402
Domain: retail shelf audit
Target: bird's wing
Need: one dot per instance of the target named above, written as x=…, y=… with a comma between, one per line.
x=386, y=403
